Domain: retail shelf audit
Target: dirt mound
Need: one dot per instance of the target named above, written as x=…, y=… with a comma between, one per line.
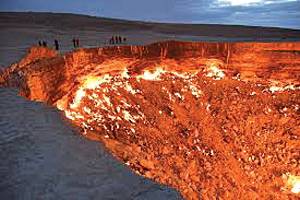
x=199, y=124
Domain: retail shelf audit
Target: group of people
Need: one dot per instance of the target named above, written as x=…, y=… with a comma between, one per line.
x=113, y=40
x=117, y=40
x=43, y=43
x=75, y=42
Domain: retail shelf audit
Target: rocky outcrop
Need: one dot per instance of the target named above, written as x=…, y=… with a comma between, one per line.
x=34, y=55
x=37, y=53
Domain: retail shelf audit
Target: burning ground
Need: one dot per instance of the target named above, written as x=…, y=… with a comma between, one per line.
x=189, y=115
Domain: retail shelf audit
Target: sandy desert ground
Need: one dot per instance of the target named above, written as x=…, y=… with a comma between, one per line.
x=22, y=30
x=41, y=154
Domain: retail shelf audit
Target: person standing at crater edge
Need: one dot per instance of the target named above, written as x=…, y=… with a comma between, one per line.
x=56, y=45
x=77, y=43
x=112, y=40
x=44, y=44
x=117, y=39
x=74, y=43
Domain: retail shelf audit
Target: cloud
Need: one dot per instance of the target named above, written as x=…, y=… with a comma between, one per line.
x=226, y=3
x=280, y=13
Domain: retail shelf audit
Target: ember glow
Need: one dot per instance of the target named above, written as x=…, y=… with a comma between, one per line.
x=280, y=87
x=148, y=75
x=292, y=183
x=92, y=85
x=109, y=105
x=215, y=72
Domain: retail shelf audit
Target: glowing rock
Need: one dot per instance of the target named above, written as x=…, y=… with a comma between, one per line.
x=276, y=89
x=90, y=82
x=195, y=91
x=79, y=95
x=125, y=74
x=151, y=76
x=292, y=183
x=215, y=72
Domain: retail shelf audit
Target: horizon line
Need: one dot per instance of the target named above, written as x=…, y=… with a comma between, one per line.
x=149, y=22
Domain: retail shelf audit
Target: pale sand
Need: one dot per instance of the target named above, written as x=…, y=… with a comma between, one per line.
x=18, y=31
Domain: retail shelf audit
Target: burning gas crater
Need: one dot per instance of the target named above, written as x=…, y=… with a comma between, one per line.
x=201, y=132
x=213, y=120
x=112, y=99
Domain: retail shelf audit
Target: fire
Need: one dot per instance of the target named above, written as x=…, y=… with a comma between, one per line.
x=90, y=82
x=73, y=108
x=292, y=183
x=152, y=76
x=79, y=95
x=112, y=105
x=277, y=86
x=214, y=72
x=93, y=82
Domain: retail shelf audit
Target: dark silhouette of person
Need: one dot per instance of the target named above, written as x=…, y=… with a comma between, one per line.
x=77, y=42
x=124, y=39
x=120, y=39
x=74, y=42
x=56, y=45
x=45, y=44
x=40, y=43
x=112, y=40
x=117, y=39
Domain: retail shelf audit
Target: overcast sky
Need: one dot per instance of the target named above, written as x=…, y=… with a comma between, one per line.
x=279, y=13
